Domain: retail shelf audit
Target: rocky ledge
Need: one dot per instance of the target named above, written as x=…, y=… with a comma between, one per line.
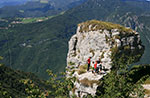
x=101, y=41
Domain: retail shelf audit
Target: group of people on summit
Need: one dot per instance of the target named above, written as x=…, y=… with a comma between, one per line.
x=97, y=65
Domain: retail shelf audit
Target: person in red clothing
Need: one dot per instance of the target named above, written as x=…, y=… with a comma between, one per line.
x=95, y=66
x=89, y=62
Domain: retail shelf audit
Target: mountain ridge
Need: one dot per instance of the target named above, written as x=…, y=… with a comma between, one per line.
x=38, y=8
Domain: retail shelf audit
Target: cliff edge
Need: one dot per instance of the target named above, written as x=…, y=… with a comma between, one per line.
x=102, y=41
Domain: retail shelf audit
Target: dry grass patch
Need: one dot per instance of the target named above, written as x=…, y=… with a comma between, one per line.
x=88, y=83
x=147, y=81
x=71, y=63
x=82, y=69
x=147, y=92
x=117, y=37
x=73, y=89
x=100, y=25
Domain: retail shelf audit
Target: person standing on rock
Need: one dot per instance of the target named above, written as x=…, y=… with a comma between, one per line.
x=95, y=66
x=100, y=66
x=89, y=62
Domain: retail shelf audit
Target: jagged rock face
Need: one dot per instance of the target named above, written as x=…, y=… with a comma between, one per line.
x=88, y=44
x=95, y=39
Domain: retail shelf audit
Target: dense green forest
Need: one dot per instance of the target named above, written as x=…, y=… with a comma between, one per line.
x=15, y=83
x=18, y=84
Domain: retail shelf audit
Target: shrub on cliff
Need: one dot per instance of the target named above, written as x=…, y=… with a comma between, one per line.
x=119, y=83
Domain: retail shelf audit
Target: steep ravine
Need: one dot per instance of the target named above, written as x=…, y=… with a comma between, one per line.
x=101, y=41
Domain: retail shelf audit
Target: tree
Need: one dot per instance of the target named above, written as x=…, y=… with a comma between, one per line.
x=60, y=87
x=118, y=84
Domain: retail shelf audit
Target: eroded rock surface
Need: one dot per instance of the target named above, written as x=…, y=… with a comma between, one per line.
x=98, y=40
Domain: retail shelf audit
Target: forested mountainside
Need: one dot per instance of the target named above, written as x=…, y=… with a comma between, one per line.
x=36, y=47
x=17, y=83
x=116, y=46
x=38, y=8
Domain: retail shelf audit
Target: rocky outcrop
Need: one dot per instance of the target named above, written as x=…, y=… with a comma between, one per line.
x=99, y=40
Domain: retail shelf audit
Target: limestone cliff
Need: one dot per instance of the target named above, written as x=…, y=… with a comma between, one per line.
x=101, y=41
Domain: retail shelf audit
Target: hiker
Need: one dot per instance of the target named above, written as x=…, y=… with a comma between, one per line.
x=95, y=66
x=89, y=62
x=92, y=64
x=100, y=66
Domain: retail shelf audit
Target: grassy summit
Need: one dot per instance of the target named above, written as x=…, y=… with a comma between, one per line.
x=100, y=25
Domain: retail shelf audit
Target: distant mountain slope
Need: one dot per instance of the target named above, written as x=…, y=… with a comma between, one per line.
x=38, y=46
x=11, y=2
x=11, y=83
x=38, y=8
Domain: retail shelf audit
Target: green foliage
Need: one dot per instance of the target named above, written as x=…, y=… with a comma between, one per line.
x=114, y=51
x=1, y=58
x=32, y=90
x=126, y=48
x=5, y=94
x=60, y=88
x=140, y=74
x=71, y=63
x=119, y=83
x=124, y=55
x=122, y=84
x=17, y=84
